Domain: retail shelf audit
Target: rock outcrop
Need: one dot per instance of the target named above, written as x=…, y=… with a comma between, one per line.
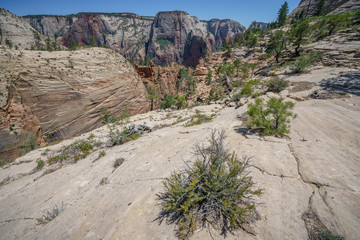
x=226, y=28
x=124, y=32
x=169, y=34
x=61, y=93
x=163, y=37
x=17, y=32
x=332, y=7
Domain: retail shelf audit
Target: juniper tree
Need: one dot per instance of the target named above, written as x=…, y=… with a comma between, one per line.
x=298, y=34
x=278, y=43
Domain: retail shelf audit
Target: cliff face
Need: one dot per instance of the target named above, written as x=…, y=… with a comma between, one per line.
x=61, y=93
x=126, y=33
x=332, y=7
x=18, y=32
x=163, y=37
x=222, y=29
x=172, y=31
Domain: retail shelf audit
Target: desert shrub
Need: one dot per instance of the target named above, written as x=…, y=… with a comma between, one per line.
x=118, y=162
x=216, y=191
x=180, y=101
x=306, y=60
x=272, y=118
x=102, y=153
x=30, y=143
x=168, y=102
x=228, y=69
x=50, y=215
x=216, y=93
x=108, y=117
x=247, y=89
x=277, y=85
x=163, y=43
x=40, y=164
x=74, y=152
x=329, y=236
x=118, y=137
x=198, y=119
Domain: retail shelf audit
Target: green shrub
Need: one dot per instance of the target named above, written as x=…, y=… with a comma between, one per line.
x=180, y=101
x=216, y=93
x=272, y=118
x=168, y=102
x=118, y=162
x=40, y=164
x=163, y=43
x=198, y=119
x=329, y=236
x=277, y=85
x=247, y=89
x=216, y=191
x=306, y=60
x=74, y=152
x=118, y=137
x=30, y=143
x=107, y=116
x=102, y=153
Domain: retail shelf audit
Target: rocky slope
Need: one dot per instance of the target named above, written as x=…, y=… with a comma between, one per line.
x=332, y=7
x=18, y=32
x=61, y=93
x=310, y=179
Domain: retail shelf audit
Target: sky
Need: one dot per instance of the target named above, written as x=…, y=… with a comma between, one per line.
x=243, y=11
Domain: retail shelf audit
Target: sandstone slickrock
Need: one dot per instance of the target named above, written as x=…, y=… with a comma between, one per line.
x=332, y=7
x=63, y=92
x=18, y=31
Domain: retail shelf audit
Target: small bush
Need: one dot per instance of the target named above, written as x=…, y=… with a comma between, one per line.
x=216, y=191
x=329, y=236
x=118, y=162
x=247, y=89
x=102, y=153
x=30, y=143
x=40, y=164
x=277, y=85
x=74, y=152
x=50, y=215
x=198, y=119
x=108, y=117
x=306, y=60
x=272, y=118
x=168, y=102
x=118, y=137
x=216, y=93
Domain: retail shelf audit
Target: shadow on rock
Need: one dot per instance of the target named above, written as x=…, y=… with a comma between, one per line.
x=349, y=83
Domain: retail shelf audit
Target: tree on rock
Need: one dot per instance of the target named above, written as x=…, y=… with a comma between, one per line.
x=320, y=8
x=278, y=43
x=282, y=15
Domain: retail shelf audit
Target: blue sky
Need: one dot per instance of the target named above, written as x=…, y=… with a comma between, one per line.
x=243, y=11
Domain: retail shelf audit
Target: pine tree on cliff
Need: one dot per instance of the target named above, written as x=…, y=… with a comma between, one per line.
x=320, y=8
x=282, y=15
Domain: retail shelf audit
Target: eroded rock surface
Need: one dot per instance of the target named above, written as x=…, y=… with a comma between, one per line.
x=63, y=92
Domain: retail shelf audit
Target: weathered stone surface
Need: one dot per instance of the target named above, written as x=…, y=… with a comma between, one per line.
x=332, y=7
x=195, y=49
x=226, y=28
x=124, y=32
x=18, y=31
x=63, y=92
